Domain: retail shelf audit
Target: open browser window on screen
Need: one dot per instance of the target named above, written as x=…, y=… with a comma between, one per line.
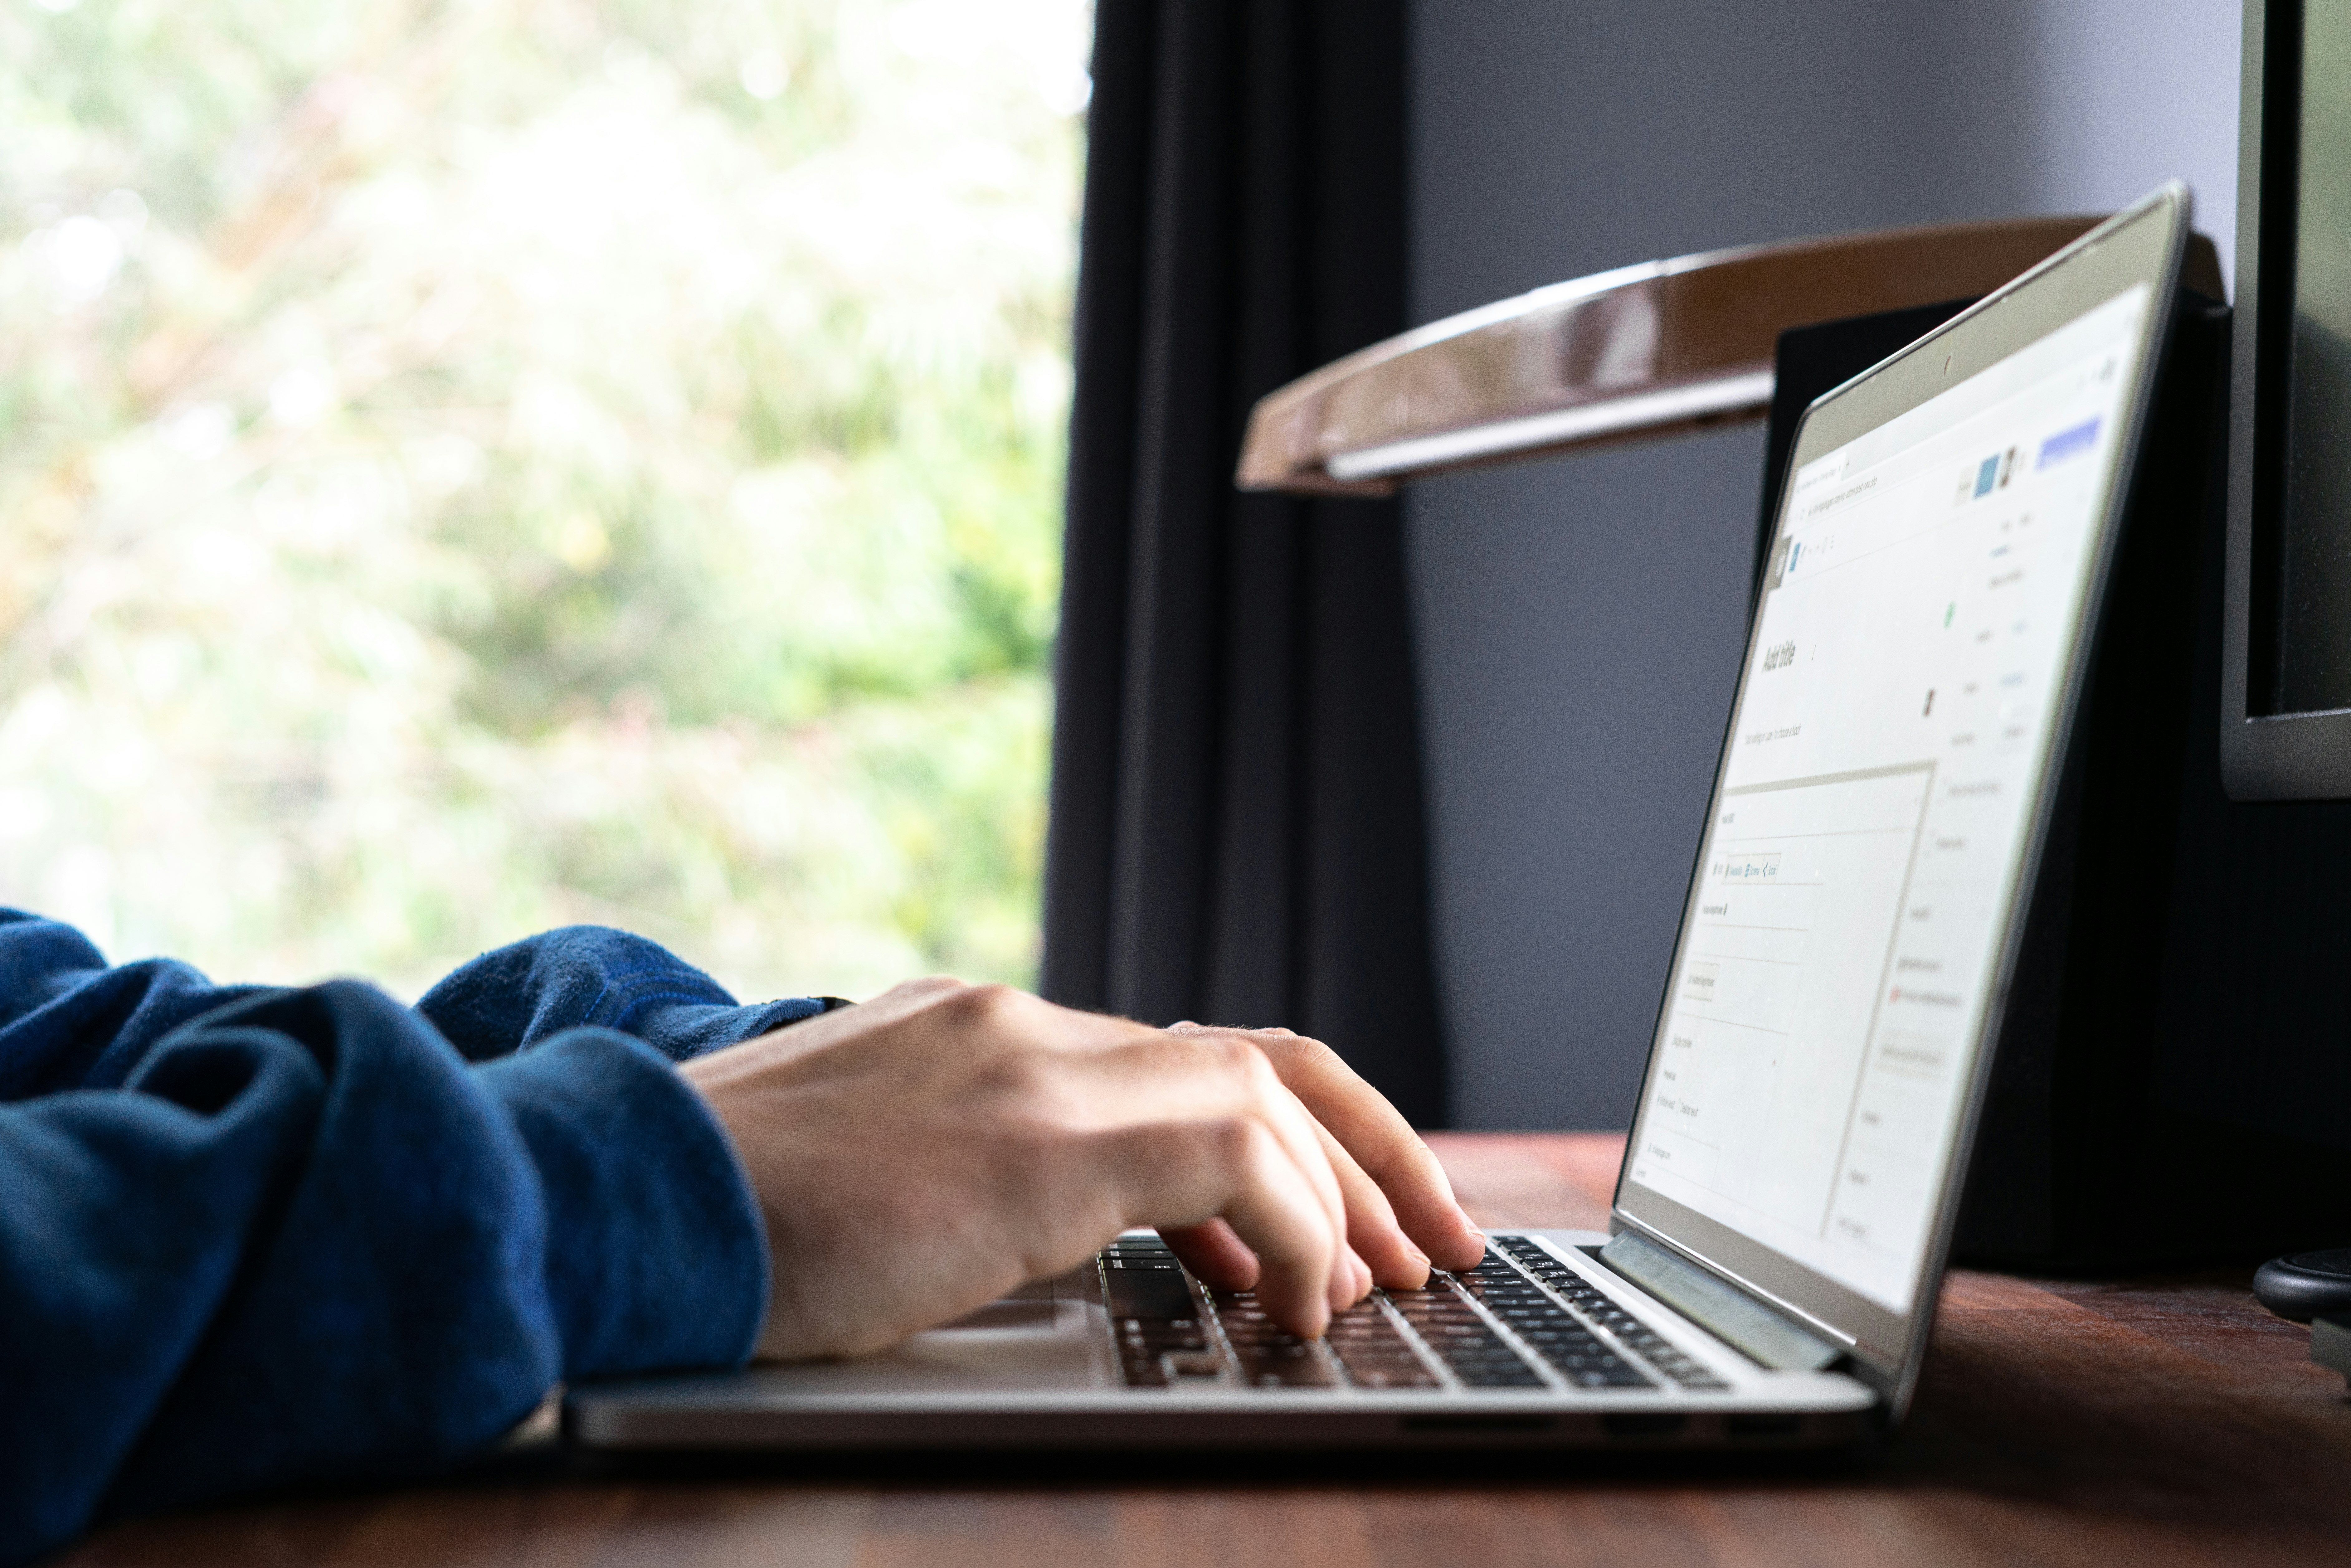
x=1875, y=803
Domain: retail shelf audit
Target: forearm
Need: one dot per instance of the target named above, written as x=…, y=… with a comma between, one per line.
x=307, y=1240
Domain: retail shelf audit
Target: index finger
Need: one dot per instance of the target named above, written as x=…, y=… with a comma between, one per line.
x=1380, y=1140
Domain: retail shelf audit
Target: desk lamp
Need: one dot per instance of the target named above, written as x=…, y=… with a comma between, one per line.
x=1653, y=350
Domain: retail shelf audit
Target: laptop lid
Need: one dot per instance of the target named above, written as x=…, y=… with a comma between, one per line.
x=1911, y=675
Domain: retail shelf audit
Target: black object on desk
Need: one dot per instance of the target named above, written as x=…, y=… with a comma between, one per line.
x=2306, y=1285
x=2180, y=986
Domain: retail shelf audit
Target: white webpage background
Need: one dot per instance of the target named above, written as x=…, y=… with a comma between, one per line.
x=1817, y=1042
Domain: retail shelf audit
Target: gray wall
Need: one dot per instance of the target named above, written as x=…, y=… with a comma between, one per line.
x=1580, y=621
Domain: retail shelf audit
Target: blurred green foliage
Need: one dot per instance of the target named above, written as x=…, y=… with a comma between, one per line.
x=469, y=466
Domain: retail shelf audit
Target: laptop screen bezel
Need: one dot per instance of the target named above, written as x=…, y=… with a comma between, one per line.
x=2142, y=245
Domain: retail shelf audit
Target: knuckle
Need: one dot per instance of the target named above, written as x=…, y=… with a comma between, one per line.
x=1234, y=1055
x=1313, y=1051
x=990, y=1006
x=1302, y=1050
x=1262, y=1077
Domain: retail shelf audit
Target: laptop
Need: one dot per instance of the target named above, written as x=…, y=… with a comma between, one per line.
x=1789, y=1182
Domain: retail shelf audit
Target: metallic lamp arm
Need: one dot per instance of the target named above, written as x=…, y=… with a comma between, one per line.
x=1650, y=350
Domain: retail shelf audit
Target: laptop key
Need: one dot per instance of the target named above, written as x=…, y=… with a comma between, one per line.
x=1155, y=1325
x=1146, y=1295
x=1473, y=1352
x=1269, y=1357
x=1373, y=1353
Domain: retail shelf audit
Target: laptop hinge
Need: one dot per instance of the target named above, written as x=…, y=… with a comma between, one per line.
x=1730, y=1314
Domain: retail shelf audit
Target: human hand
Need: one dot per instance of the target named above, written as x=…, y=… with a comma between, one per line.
x=917, y=1157
x=1395, y=1188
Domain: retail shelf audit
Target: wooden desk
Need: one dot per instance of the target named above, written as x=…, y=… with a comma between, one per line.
x=2140, y=1422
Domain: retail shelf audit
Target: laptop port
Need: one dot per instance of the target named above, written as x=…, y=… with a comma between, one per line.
x=1642, y=1424
x=1763, y=1426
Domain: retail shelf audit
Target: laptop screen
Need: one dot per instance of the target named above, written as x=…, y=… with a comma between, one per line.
x=1879, y=791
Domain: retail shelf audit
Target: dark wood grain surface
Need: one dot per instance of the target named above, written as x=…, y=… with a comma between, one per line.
x=2139, y=1422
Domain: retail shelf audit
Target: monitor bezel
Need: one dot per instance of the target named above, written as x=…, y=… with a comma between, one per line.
x=2144, y=243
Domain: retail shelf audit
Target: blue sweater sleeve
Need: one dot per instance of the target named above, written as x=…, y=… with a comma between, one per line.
x=254, y=1234
x=515, y=996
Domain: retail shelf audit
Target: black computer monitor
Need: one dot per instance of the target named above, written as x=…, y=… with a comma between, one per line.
x=2285, y=703
x=2286, y=731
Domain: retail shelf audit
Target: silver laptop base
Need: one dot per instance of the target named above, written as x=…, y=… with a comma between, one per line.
x=1056, y=1367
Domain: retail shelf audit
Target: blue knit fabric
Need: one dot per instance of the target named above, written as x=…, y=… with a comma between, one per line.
x=251, y=1235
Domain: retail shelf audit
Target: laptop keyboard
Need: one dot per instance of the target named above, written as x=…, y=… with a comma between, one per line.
x=1628, y=1330
x=1473, y=1352
x=1424, y=1338
x=1373, y=1351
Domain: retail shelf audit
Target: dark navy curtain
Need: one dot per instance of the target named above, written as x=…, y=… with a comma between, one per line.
x=1237, y=829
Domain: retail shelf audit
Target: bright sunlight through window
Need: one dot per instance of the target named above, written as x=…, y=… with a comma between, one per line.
x=479, y=465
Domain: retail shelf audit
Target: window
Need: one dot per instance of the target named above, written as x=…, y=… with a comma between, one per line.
x=473, y=467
